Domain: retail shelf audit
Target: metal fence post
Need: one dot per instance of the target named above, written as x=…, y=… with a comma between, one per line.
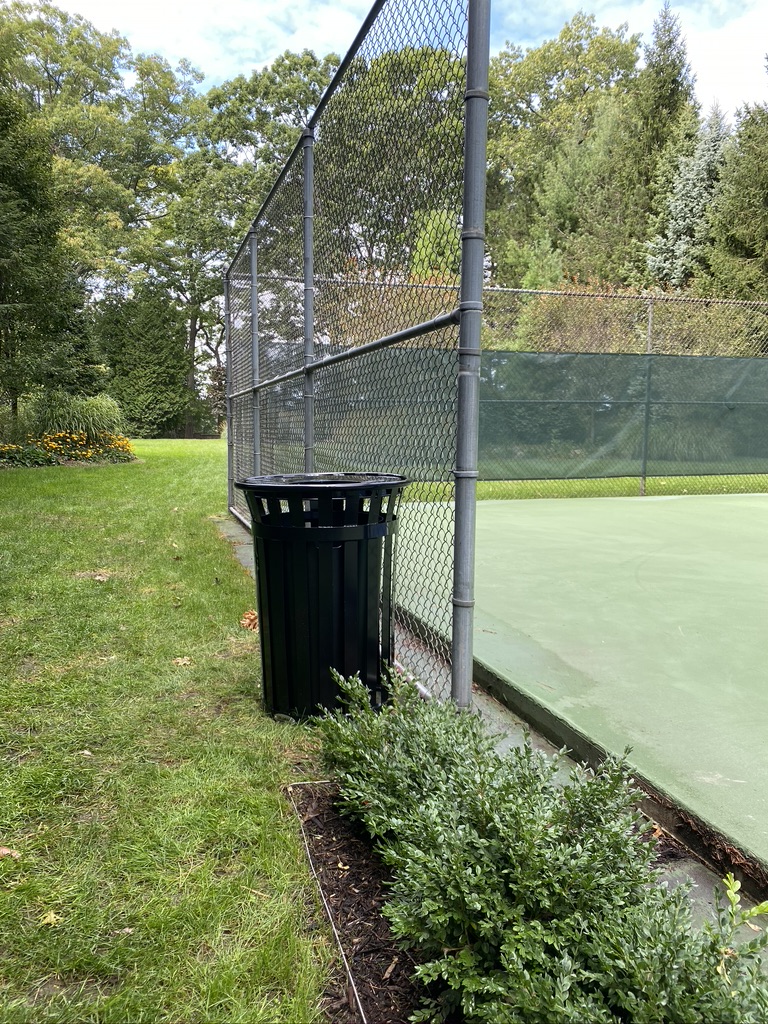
x=228, y=399
x=308, y=142
x=471, y=306
x=647, y=406
x=255, y=378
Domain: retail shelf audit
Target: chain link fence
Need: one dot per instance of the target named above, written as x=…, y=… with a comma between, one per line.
x=585, y=393
x=353, y=306
x=356, y=313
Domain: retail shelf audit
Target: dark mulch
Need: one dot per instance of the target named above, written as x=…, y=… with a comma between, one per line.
x=353, y=881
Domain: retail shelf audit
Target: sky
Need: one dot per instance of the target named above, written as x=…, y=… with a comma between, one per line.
x=727, y=40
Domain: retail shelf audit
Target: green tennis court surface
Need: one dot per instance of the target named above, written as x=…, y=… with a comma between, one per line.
x=641, y=622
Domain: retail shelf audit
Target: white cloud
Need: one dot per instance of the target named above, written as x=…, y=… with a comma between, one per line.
x=729, y=60
x=727, y=41
x=229, y=38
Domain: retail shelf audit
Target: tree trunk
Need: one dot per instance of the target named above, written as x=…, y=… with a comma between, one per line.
x=189, y=423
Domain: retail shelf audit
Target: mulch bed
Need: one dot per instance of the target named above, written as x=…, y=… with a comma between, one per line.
x=353, y=882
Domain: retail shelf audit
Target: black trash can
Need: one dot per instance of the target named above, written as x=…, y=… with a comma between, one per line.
x=323, y=544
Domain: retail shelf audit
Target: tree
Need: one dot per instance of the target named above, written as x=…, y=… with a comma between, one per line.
x=202, y=207
x=42, y=336
x=143, y=337
x=659, y=123
x=437, y=250
x=132, y=185
x=541, y=98
x=598, y=192
x=663, y=93
x=261, y=117
x=388, y=154
x=70, y=75
x=585, y=200
x=60, y=59
x=739, y=213
x=676, y=253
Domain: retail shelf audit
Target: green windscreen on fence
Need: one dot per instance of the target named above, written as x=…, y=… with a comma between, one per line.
x=584, y=415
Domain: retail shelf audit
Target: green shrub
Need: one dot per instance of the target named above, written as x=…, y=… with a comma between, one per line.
x=25, y=455
x=531, y=900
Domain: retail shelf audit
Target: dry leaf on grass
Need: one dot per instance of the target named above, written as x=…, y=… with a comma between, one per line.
x=182, y=661
x=51, y=919
x=7, y=852
x=250, y=621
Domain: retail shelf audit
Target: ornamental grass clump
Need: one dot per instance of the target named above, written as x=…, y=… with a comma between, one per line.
x=65, y=428
x=530, y=900
x=56, y=411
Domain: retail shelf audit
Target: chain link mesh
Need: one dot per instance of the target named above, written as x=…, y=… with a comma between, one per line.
x=610, y=394
x=240, y=370
x=387, y=197
x=394, y=411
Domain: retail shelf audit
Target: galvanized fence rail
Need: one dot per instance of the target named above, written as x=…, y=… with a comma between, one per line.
x=361, y=279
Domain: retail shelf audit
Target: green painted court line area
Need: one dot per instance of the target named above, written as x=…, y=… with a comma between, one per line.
x=641, y=622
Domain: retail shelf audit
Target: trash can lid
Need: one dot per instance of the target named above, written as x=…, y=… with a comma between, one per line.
x=315, y=483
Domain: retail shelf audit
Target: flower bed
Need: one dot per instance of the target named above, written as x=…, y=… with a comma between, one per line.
x=67, y=446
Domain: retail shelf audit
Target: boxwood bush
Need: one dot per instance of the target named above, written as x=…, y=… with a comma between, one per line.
x=531, y=899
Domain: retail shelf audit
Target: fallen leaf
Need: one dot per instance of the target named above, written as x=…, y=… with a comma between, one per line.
x=51, y=919
x=85, y=753
x=344, y=867
x=182, y=661
x=250, y=621
x=6, y=852
x=124, y=931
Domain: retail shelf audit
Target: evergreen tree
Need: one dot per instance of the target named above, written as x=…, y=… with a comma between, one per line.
x=739, y=213
x=675, y=254
x=142, y=334
x=664, y=90
x=43, y=333
x=597, y=195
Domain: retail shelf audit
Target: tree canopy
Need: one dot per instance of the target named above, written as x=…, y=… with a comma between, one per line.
x=124, y=190
x=124, y=187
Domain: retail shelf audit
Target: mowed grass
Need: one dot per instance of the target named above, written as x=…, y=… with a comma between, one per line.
x=150, y=869
x=621, y=487
x=604, y=487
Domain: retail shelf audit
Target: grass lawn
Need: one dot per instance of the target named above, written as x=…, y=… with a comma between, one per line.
x=150, y=870
x=622, y=487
